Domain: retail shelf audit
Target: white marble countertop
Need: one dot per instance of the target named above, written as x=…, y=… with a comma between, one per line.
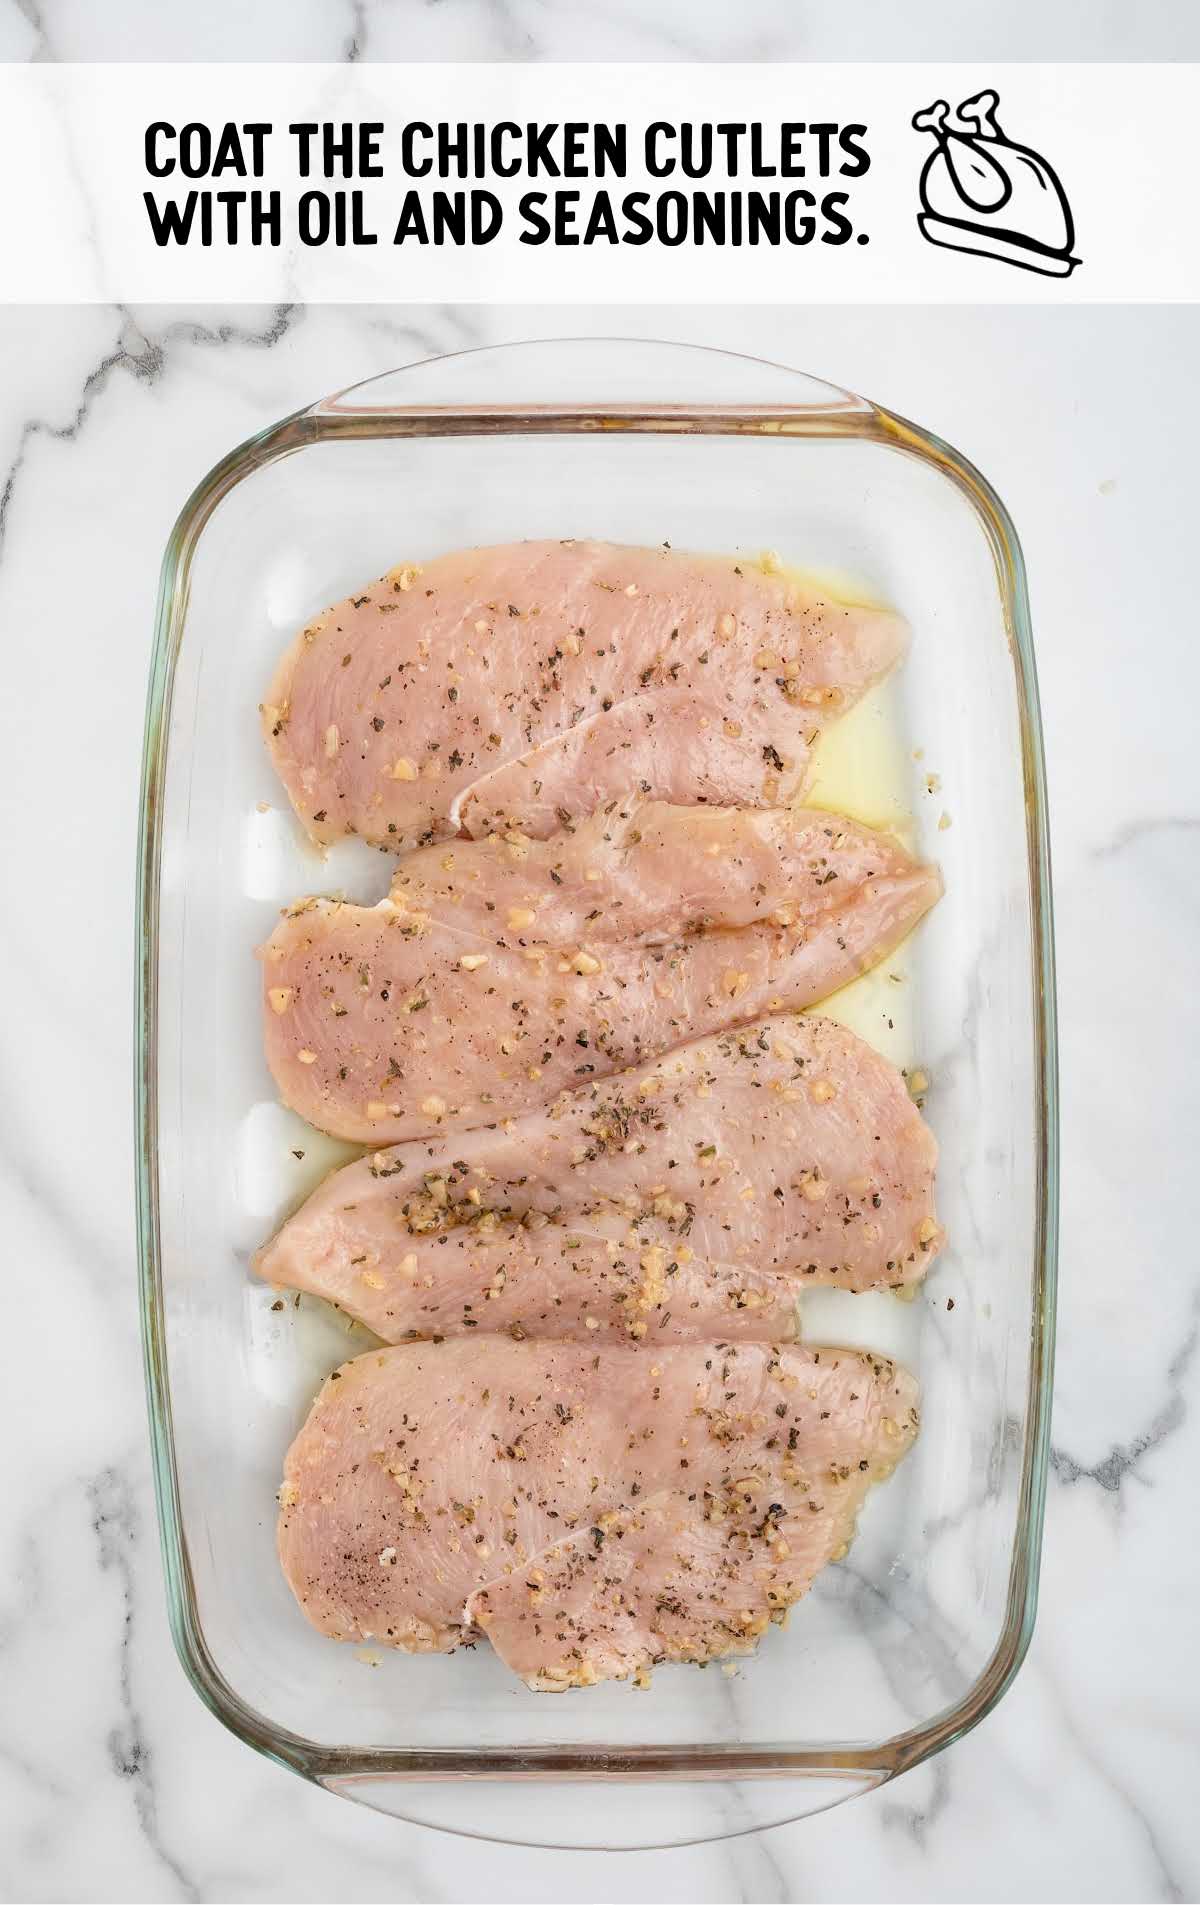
x=602, y=30
x=114, y=1781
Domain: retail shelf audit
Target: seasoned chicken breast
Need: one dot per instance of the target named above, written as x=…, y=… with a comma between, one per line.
x=509, y=686
x=502, y=970
x=584, y=1282
x=592, y=1510
x=682, y=1198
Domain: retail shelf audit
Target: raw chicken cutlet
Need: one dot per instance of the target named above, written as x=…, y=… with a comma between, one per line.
x=510, y=685
x=501, y=971
x=693, y=1196
x=532, y=1279
x=592, y=1511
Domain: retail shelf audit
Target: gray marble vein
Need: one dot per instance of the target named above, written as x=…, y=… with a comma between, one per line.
x=1125, y=1463
x=1135, y=831
x=1119, y=1787
x=142, y=357
x=919, y=1819
x=115, y=1517
x=32, y=13
x=357, y=37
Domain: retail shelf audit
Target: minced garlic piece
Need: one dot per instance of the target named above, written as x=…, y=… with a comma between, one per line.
x=281, y=997
x=403, y=769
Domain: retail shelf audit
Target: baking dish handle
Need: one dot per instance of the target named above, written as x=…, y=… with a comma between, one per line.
x=611, y=1813
x=598, y=378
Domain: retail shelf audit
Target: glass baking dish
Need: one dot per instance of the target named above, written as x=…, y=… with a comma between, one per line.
x=912, y=1639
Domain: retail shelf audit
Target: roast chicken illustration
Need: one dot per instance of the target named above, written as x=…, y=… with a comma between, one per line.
x=982, y=193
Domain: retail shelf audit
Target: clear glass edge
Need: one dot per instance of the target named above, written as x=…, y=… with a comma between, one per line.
x=885, y=1759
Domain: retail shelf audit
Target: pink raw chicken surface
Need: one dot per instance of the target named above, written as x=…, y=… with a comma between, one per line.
x=515, y=684
x=689, y=1197
x=500, y=971
x=592, y=1510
